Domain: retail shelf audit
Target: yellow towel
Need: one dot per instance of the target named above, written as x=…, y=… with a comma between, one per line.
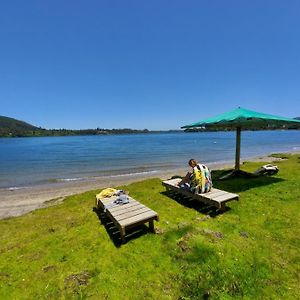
x=108, y=192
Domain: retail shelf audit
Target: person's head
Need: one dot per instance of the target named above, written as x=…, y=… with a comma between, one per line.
x=192, y=163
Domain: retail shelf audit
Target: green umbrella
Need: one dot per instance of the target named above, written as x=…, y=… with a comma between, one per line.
x=243, y=118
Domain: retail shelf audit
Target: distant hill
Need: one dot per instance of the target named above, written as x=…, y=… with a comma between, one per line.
x=10, y=127
x=297, y=118
x=13, y=127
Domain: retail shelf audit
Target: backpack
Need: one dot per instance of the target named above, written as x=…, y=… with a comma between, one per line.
x=267, y=170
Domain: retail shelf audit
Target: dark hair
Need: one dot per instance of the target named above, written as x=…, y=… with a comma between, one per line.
x=192, y=161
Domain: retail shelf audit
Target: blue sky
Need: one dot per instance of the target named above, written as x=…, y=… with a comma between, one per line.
x=146, y=64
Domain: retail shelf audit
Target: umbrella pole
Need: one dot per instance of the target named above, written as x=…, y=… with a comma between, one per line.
x=236, y=171
x=238, y=148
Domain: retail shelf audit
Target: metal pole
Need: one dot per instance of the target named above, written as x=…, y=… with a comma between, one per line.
x=238, y=148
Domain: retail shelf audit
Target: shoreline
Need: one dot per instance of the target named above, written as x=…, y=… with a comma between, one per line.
x=17, y=202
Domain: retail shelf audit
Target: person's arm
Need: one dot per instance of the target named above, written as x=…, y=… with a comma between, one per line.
x=185, y=179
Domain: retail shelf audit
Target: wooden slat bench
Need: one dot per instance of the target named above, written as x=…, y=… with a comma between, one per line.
x=215, y=197
x=127, y=215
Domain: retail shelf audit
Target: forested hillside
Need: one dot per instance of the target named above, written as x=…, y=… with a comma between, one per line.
x=10, y=127
x=13, y=127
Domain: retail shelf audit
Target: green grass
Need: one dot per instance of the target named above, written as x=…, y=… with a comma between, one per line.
x=249, y=252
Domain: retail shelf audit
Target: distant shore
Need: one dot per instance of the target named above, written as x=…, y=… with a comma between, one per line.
x=10, y=127
x=17, y=202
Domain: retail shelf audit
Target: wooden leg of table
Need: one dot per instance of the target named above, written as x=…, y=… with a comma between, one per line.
x=122, y=231
x=222, y=208
x=151, y=225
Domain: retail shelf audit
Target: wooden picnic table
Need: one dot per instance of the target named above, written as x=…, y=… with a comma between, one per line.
x=128, y=215
x=215, y=197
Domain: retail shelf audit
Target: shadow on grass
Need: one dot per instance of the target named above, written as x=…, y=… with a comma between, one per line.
x=240, y=184
x=194, y=204
x=233, y=185
x=113, y=231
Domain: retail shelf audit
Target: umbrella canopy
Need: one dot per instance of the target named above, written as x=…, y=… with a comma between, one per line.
x=239, y=118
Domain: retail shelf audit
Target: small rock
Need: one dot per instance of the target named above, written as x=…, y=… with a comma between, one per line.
x=203, y=218
x=182, y=244
x=217, y=234
x=159, y=231
x=48, y=268
x=182, y=225
x=78, y=279
x=244, y=234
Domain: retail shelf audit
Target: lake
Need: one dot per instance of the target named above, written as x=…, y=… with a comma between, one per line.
x=39, y=160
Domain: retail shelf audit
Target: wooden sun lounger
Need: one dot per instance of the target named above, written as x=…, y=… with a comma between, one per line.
x=127, y=215
x=215, y=197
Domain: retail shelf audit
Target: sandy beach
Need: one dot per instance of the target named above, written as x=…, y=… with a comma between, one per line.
x=17, y=202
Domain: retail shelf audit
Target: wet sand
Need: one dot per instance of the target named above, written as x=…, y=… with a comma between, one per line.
x=18, y=202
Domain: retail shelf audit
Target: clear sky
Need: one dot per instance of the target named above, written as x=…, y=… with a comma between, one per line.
x=147, y=64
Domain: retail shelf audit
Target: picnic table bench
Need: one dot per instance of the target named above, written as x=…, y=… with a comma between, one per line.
x=128, y=215
x=215, y=197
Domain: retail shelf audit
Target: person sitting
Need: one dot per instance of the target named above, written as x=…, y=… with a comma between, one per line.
x=197, y=181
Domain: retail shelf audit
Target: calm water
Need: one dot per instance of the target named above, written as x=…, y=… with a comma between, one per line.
x=31, y=161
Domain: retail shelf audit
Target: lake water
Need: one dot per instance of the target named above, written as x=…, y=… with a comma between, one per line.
x=32, y=161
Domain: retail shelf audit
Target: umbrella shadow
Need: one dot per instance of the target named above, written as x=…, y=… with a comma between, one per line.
x=240, y=184
x=113, y=231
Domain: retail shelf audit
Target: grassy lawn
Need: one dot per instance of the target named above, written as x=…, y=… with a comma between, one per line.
x=249, y=252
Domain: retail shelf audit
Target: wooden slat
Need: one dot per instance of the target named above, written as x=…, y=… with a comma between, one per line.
x=215, y=197
x=106, y=201
x=130, y=214
x=225, y=197
x=172, y=182
x=214, y=193
x=118, y=207
x=144, y=216
x=112, y=198
x=126, y=209
x=136, y=210
x=232, y=195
